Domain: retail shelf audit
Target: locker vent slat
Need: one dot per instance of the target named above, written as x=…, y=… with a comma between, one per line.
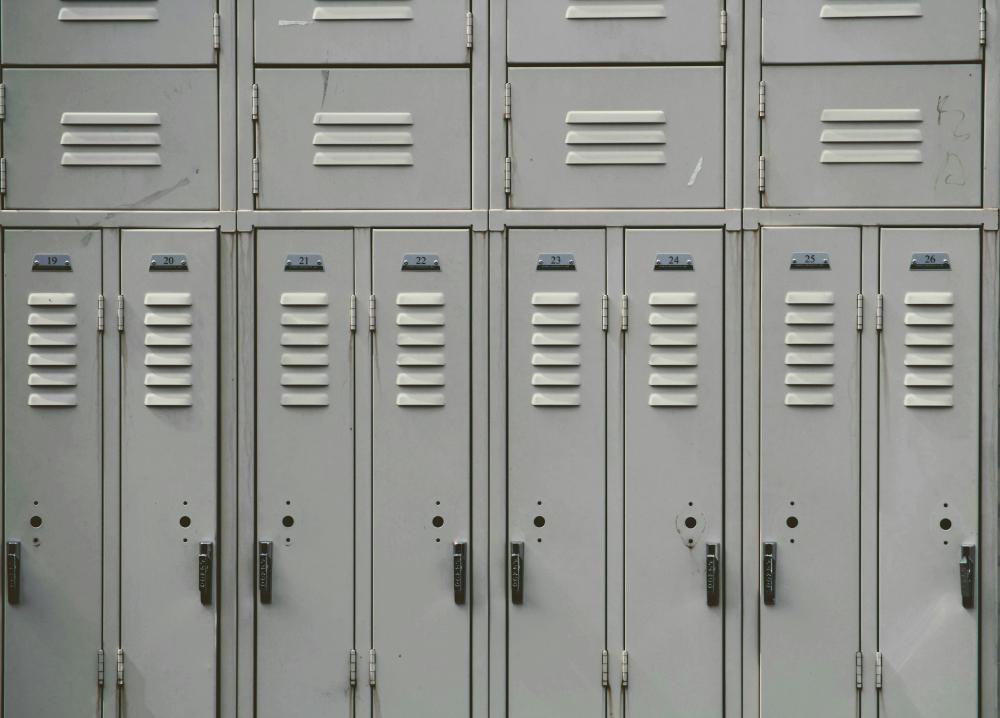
x=352, y=10
x=871, y=136
x=110, y=139
x=673, y=338
x=104, y=11
x=169, y=380
x=52, y=355
x=609, y=137
x=615, y=10
x=556, y=337
x=420, y=355
x=305, y=320
x=809, y=343
x=363, y=139
x=929, y=356
x=854, y=10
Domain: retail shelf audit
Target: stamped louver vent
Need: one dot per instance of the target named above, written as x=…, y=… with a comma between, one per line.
x=872, y=136
x=854, y=10
x=169, y=341
x=556, y=340
x=615, y=10
x=305, y=355
x=421, y=349
x=363, y=10
x=673, y=339
x=930, y=350
x=52, y=347
x=610, y=137
x=104, y=11
x=110, y=139
x=363, y=139
x=809, y=346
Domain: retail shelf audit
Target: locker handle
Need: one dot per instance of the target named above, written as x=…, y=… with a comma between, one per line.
x=770, y=572
x=459, y=552
x=13, y=572
x=967, y=575
x=713, y=573
x=206, y=551
x=517, y=573
x=265, y=565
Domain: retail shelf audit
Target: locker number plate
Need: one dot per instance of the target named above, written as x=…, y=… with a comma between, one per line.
x=674, y=261
x=51, y=262
x=421, y=263
x=557, y=261
x=304, y=263
x=810, y=260
x=168, y=263
x=930, y=260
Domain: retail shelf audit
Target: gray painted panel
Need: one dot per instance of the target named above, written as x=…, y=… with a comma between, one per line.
x=584, y=31
x=305, y=473
x=145, y=32
x=929, y=473
x=556, y=472
x=617, y=137
x=894, y=136
x=52, y=470
x=368, y=138
x=96, y=139
x=169, y=472
x=421, y=488
x=809, y=469
x=673, y=472
x=360, y=32
x=889, y=31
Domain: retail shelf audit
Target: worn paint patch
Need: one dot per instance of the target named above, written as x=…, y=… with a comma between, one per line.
x=697, y=171
x=286, y=23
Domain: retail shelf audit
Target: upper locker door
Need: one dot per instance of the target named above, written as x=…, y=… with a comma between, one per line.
x=377, y=32
x=364, y=138
x=169, y=471
x=52, y=472
x=421, y=483
x=890, y=136
x=573, y=31
x=929, y=473
x=809, y=471
x=616, y=137
x=305, y=472
x=556, y=472
x=94, y=32
x=859, y=31
x=673, y=471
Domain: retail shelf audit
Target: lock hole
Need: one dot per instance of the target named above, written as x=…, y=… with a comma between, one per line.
x=35, y=521
x=288, y=522
x=690, y=522
x=438, y=521
x=945, y=524
x=539, y=521
x=185, y=521
x=791, y=522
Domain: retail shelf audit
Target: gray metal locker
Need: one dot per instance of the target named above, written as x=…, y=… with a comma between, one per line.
x=614, y=31
x=129, y=32
x=616, y=137
x=169, y=501
x=111, y=139
x=929, y=473
x=556, y=472
x=892, y=136
x=52, y=472
x=809, y=468
x=364, y=138
x=673, y=471
x=305, y=472
x=421, y=483
x=860, y=31
x=377, y=32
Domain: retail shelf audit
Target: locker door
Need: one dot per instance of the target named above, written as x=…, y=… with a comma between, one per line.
x=888, y=31
x=359, y=32
x=305, y=472
x=809, y=471
x=929, y=472
x=615, y=31
x=421, y=490
x=135, y=32
x=104, y=139
x=673, y=471
x=616, y=137
x=52, y=472
x=556, y=473
x=892, y=136
x=169, y=471
x=364, y=138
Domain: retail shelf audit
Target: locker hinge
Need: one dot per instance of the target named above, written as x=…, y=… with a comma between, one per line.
x=506, y=175
x=604, y=312
x=878, y=670
x=353, y=667
x=100, y=312
x=861, y=318
x=354, y=313
x=100, y=667
x=859, y=673
x=982, y=26
x=878, y=312
x=255, y=102
x=255, y=178
x=120, y=663
x=3, y=175
x=624, y=669
x=604, y=668
x=760, y=174
x=506, y=101
x=724, y=28
x=216, y=31
x=762, y=99
x=624, y=312
x=371, y=313
x=3, y=101
x=468, y=30
x=371, y=668
x=120, y=309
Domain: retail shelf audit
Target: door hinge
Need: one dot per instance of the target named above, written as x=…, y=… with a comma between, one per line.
x=120, y=309
x=506, y=175
x=3, y=101
x=255, y=102
x=982, y=26
x=859, y=673
x=506, y=101
x=604, y=312
x=624, y=669
x=724, y=28
x=352, y=662
x=624, y=312
x=861, y=318
x=605, y=680
x=120, y=666
x=255, y=177
x=100, y=667
x=371, y=313
x=371, y=668
x=878, y=312
x=468, y=31
x=762, y=99
x=354, y=312
x=878, y=670
x=100, y=312
x=761, y=162
x=3, y=175
x=216, y=31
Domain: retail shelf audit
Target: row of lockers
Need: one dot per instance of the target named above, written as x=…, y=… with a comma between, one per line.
x=612, y=137
x=364, y=390
x=148, y=32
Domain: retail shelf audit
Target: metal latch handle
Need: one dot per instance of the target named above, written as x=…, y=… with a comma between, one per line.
x=713, y=573
x=265, y=565
x=13, y=572
x=967, y=575
x=517, y=573
x=770, y=570
x=459, y=552
x=206, y=551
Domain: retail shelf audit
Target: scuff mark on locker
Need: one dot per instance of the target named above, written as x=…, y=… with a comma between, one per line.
x=697, y=171
x=326, y=86
x=150, y=198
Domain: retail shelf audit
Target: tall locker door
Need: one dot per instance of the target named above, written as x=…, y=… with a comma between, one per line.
x=52, y=472
x=169, y=471
x=673, y=472
x=305, y=472
x=809, y=471
x=421, y=483
x=929, y=473
x=556, y=473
